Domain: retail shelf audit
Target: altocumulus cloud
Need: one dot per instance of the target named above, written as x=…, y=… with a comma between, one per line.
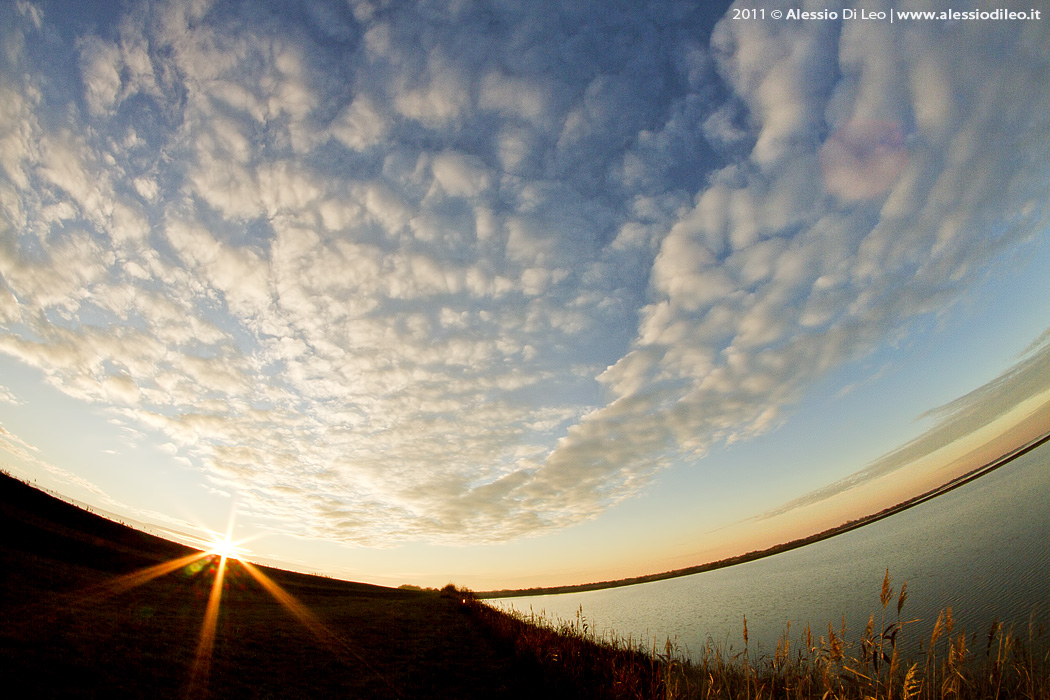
x=468, y=271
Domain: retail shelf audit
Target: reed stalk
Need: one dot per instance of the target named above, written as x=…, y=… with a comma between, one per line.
x=579, y=663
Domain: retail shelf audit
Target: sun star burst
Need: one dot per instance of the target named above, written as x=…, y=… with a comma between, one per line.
x=225, y=548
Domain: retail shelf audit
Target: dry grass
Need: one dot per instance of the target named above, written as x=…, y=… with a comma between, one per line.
x=999, y=664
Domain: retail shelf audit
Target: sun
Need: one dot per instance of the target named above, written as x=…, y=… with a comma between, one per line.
x=225, y=548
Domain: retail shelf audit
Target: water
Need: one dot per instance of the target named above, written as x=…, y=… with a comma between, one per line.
x=982, y=549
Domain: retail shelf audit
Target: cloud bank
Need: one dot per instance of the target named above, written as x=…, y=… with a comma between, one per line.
x=464, y=272
x=1025, y=381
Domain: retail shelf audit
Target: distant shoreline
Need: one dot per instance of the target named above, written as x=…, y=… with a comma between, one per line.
x=784, y=547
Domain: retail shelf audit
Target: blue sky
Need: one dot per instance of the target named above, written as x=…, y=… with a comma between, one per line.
x=509, y=294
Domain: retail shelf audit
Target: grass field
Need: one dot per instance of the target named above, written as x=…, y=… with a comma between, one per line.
x=81, y=620
x=91, y=608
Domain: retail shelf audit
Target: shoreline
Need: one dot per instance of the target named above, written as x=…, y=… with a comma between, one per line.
x=783, y=547
x=87, y=619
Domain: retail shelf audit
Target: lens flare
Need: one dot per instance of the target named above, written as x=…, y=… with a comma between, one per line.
x=221, y=551
x=225, y=548
x=339, y=646
x=206, y=642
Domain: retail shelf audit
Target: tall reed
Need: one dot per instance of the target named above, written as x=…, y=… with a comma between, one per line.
x=576, y=662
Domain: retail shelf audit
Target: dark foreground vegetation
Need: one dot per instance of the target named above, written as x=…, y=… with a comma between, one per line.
x=79, y=620
x=826, y=665
x=91, y=608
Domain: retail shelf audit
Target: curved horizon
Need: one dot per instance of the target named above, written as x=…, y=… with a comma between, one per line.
x=754, y=555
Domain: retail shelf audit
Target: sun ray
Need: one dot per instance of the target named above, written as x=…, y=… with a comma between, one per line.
x=142, y=576
x=337, y=644
x=97, y=593
x=198, y=684
x=223, y=548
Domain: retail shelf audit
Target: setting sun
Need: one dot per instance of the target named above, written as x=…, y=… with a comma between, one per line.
x=225, y=547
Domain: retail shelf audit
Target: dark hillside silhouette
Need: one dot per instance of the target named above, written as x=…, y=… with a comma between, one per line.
x=78, y=624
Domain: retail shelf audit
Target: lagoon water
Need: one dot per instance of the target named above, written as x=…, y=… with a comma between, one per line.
x=982, y=549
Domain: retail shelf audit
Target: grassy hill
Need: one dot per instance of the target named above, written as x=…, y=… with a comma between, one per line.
x=91, y=608
x=76, y=625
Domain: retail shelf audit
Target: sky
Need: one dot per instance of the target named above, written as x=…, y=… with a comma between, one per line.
x=515, y=294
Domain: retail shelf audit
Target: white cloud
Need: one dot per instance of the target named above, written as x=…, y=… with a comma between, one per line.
x=101, y=65
x=471, y=286
x=28, y=453
x=360, y=125
x=514, y=97
x=17, y=137
x=459, y=175
x=438, y=98
x=240, y=274
x=725, y=337
x=7, y=397
x=956, y=421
